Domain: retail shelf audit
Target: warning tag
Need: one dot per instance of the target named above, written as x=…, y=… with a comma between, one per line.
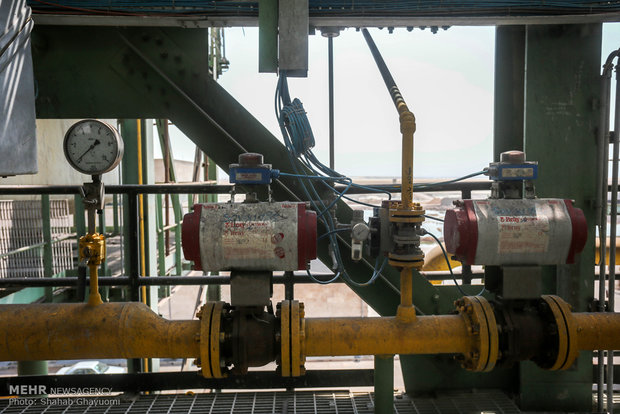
x=247, y=240
x=523, y=234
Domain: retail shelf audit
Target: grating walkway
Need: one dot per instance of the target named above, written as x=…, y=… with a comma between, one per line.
x=300, y=402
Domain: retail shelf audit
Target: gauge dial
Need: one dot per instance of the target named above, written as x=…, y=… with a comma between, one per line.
x=93, y=147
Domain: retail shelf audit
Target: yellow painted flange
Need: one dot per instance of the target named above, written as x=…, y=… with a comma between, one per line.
x=415, y=215
x=568, y=349
x=211, y=317
x=481, y=325
x=292, y=338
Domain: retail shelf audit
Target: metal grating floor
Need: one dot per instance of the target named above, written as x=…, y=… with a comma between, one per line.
x=299, y=402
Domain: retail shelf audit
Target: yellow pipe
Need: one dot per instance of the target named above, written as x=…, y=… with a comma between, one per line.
x=132, y=330
x=94, y=298
x=380, y=336
x=434, y=260
x=407, y=129
x=141, y=209
x=599, y=330
x=597, y=256
x=145, y=362
x=406, y=288
x=406, y=311
x=77, y=331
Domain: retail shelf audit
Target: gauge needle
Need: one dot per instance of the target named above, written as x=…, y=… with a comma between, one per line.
x=97, y=142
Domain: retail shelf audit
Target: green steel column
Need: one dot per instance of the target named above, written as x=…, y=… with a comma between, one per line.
x=129, y=175
x=148, y=177
x=32, y=368
x=115, y=231
x=48, y=257
x=268, y=35
x=384, y=384
x=78, y=218
x=509, y=89
x=563, y=65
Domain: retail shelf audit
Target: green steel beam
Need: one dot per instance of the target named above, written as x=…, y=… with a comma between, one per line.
x=562, y=85
x=163, y=73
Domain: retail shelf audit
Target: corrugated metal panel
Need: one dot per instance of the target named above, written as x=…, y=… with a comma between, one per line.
x=18, y=144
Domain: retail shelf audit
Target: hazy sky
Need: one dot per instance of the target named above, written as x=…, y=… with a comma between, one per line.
x=445, y=78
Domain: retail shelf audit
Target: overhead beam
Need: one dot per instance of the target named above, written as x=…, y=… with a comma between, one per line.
x=321, y=21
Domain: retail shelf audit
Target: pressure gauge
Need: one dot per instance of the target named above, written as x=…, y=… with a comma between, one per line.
x=93, y=147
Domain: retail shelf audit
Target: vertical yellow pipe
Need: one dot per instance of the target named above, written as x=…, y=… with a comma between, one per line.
x=406, y=288
x=406, y=311
x=94, y=298
x=141, y=215
x=407, y=129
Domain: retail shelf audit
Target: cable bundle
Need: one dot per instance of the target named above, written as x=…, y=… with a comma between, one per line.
x=299, y=141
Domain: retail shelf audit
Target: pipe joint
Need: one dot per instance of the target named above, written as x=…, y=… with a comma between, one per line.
x=407, y=123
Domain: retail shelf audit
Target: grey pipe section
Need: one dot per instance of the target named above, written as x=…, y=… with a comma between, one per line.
x=330, y=67
x=612, y=236
x=603, y=155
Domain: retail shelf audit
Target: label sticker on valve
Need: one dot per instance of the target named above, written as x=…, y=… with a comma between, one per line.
x=248, y=240
x=523, y=234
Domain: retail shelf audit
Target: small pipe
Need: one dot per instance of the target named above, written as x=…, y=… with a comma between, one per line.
x=612, y=236
x=94, y=298
x=330, y=68
x=145, y=362
x=407, y=124
x=406, y=288
x=406, y=311
x=603, y=156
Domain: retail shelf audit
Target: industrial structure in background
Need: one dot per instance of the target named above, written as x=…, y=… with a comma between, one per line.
x=537, y=334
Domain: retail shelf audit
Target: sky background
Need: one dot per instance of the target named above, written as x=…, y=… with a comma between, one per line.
x=446, y=79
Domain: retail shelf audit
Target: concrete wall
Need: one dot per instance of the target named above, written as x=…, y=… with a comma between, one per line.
x=53, y=167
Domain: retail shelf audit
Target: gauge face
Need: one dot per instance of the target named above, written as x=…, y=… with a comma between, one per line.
x=93, y=147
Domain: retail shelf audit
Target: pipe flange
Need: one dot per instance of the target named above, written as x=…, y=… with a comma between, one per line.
x=292, y=338
x=567, y=346
x=480, y=321
x=399, y=215
x=210, y=326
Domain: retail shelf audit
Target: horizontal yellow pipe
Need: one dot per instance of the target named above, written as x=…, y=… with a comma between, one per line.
x=599, y=330
x=132, y=330
x=386, y=336
x=109, y=330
